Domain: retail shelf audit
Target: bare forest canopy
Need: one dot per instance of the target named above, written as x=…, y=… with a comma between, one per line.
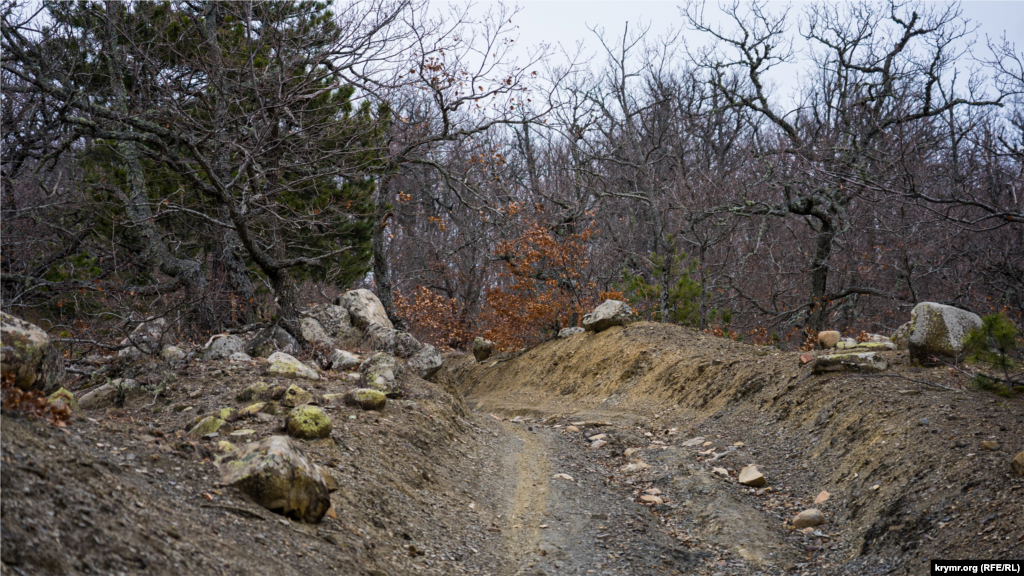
x=223, y=164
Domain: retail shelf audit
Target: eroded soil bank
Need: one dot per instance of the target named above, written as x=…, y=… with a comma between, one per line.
x=506, y=482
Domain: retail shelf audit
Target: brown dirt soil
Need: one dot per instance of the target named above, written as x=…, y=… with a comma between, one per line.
x=899, y=455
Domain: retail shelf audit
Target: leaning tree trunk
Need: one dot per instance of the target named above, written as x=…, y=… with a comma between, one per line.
x=381, y=270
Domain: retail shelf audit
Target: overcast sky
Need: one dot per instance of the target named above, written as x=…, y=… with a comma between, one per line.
x=567, y=22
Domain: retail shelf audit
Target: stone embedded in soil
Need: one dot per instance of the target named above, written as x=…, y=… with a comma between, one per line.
x=569, y=332
x=207, y=425
x=806, y=359
x=252, y=410
x=853, y=362
x=107, y=394
x=751, y=476
x=634, y=467
x=224, y=346
x=822, y=497
x=693, y=442
x=653, y=491
x=253, y=391
x=65, y=398
x=343, y=360
x=991, y=445
x=308, y=422
x=608, y=314
x=379, y=372
x=278, y=476
x=809, y=518
x=482, y=349
x=239, y=357
x=172, y=354
x=571, y=429
x=295, y=396
x=651, y=499
x=1017, y=466
x=596, y=437
x=286, y=366
x=597, y=444
x=563, y=477
x=720, y=471
x=365, y=398
x=828, y=339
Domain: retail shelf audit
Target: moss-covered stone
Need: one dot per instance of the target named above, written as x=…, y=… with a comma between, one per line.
x=65, y=397
x=226, y=447
x=285, y=366
x=876, y=346
x=207, y=425
x=227, y=414
x=295, y=396
x=366, y=398
x=27, y=357
x=308, y=422
x=379, y=373
x=255, y=391
x=277, y=475
x=939, y=331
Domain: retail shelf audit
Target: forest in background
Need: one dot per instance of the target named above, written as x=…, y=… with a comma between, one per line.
x=224, y=165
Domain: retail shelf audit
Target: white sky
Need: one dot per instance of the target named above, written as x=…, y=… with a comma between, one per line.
x=566, y=23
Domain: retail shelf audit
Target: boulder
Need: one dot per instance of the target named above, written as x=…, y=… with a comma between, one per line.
x=269, y=340
x=277, y=475
x=314, y=333
x=28, y=357
x=172, y=354
x=379, y=372
x=425, y=363
x=295, y=396
x=223, y=346
x=308, y=422
x=364, y=308
x=343, y=360
x=365, y=398
x=567, y=332
x=336, y=323
x=610, y=313
x=63, y=397
x=939, y=331
x=482, y=349
x=284, y=365
x=852, y=362
x=111, y=393
x=147, y=338
x=828, y=339
x=751, y=476
x=809, y=518
x=901, y=337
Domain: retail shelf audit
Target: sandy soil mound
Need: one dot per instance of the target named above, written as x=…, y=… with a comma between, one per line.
x=902, y=459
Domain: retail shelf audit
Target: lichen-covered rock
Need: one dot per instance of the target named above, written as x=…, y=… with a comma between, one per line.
x=364, y=308
x=225, y=447
x=610, y=313
x=63, y=397
x=938, y=331
x=876, y=346
x=365, y=398
x=295, y=396
x=308, y=422
x=269, y=340
x=207, y=425
x=568, y=332
x=278, y=476
x=258, y=390
x=111, y=393
x=828, y=339
x=901, y=337
x=252, y=410
x=227, y=414
x=172, y=354
x=482, y=349
x=336, y=323
x=285, y=366
x=852, y=362
x=425, y=363
x=379, y=372
x=28, y=356
x=343, y=360
x=314, y=333
x=147, y=338
x=223, y=346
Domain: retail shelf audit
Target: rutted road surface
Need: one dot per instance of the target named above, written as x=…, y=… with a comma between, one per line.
x=586, y=525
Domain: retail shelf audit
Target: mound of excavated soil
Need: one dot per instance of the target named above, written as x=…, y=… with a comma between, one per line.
x=124, y=491
x=901, y=457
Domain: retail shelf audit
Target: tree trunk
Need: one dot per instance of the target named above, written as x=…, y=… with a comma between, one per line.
x=381, y=270
x=817, y=313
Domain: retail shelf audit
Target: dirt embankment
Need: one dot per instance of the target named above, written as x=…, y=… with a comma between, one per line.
x=902, y=459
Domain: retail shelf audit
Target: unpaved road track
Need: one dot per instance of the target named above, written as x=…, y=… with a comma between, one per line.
x=583, y=526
